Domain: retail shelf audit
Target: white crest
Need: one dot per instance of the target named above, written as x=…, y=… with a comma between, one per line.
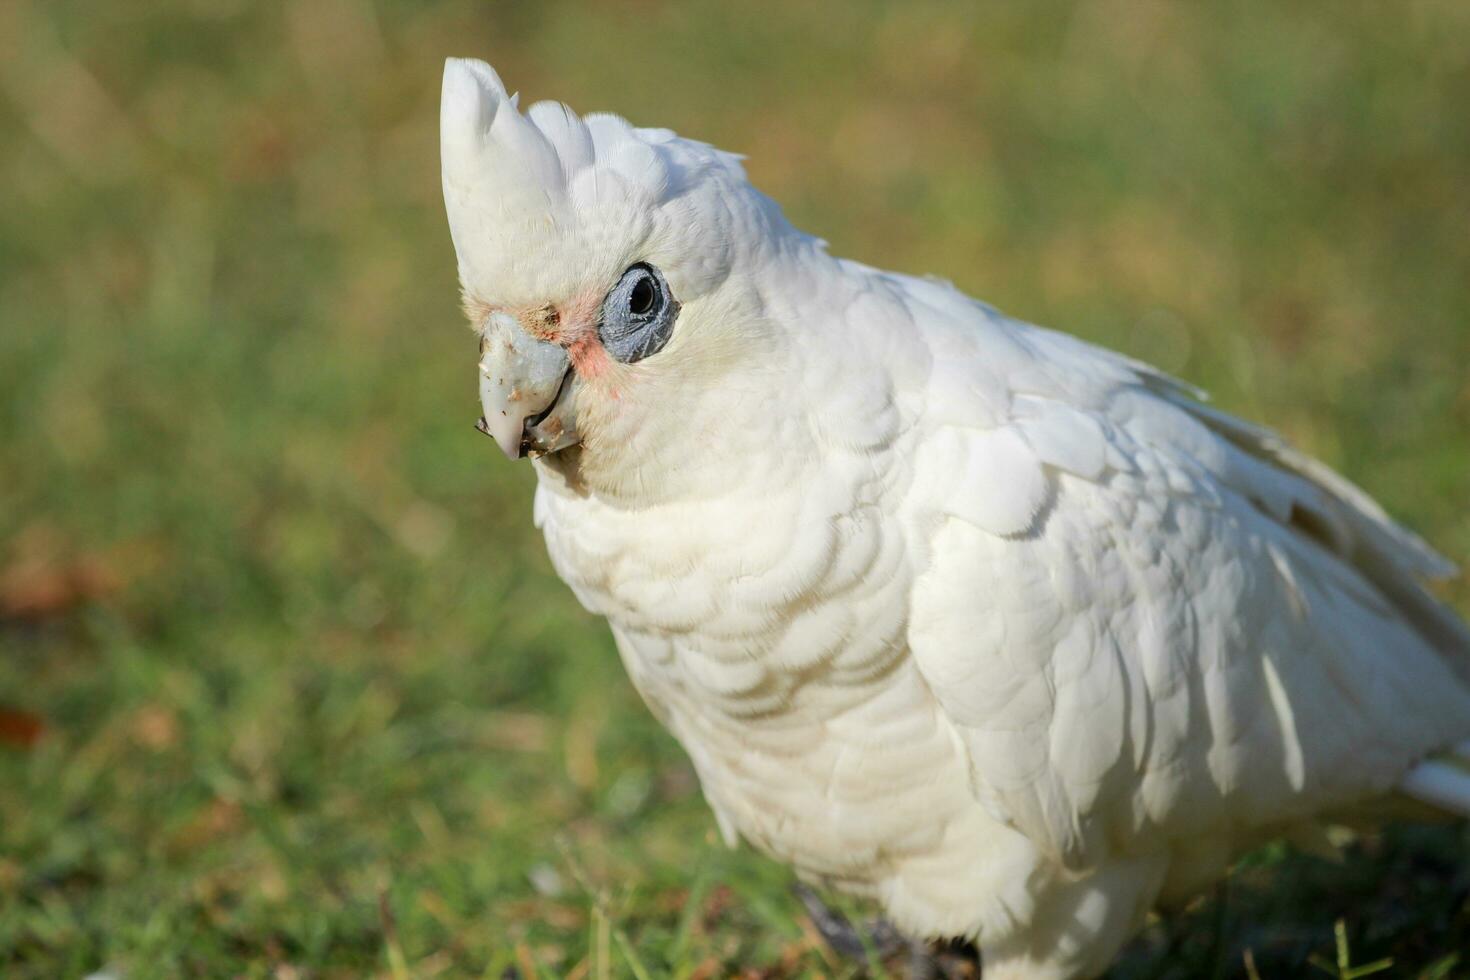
x=543, y=203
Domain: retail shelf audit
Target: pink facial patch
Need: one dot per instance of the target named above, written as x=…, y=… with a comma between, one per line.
x=579, y=335
x=589, y=357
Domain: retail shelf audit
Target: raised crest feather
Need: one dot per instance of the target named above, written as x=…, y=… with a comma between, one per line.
x=546, y=204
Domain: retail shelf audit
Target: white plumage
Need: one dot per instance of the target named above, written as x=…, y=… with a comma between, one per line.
x=1002, y=629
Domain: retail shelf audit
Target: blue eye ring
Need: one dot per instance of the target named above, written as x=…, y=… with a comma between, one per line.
x=637, y=314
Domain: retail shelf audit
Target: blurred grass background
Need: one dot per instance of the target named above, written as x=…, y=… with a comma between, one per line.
x=287, y=687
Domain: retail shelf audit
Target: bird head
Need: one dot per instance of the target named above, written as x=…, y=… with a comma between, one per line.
x=607, y=269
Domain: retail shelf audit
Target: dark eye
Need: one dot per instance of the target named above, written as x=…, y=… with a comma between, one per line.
x=637, y=314
x=641, y=299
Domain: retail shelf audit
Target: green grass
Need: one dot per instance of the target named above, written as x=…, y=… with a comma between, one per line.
x=313, y=703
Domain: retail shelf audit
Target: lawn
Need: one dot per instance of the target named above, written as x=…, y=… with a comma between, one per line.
x=287, y=685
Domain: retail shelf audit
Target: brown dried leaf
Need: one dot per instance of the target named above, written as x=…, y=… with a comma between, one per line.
x=43, y=578
x=21, y=729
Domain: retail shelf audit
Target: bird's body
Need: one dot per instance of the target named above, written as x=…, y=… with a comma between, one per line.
x=1002, y=629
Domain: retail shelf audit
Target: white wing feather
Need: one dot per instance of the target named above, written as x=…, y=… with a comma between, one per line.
x=1149, y=620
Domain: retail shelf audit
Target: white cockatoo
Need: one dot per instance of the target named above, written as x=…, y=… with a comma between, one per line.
x=1008, y=632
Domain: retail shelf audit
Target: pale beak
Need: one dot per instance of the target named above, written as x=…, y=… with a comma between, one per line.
x=528, y=391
